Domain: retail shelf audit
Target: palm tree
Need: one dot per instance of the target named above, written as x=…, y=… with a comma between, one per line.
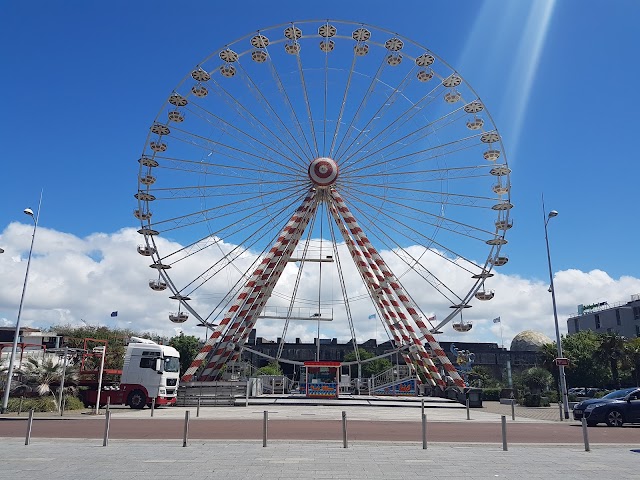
x=42, y=374
x=612, y=351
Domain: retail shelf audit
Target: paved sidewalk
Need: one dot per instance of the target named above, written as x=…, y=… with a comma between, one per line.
x=63, y=459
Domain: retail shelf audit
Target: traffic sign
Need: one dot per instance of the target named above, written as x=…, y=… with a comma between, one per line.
x=562, y=362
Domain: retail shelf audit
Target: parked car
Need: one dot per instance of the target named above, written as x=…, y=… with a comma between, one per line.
x=614, y=409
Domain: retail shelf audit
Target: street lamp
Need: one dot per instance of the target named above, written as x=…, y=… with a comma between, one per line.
x=16, y=334
x=563, y=379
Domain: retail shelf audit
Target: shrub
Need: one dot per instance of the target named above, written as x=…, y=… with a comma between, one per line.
x=43, y=404
x=491, y=394
x=73, y=403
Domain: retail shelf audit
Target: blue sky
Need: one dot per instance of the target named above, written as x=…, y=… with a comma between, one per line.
x=84, y=80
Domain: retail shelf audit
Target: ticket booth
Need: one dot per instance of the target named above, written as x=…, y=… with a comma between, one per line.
x=323, y=379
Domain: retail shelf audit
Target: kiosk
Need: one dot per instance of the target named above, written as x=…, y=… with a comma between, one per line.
x=323, y=379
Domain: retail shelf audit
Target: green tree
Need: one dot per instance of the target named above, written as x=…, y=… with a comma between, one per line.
x=584, y=369
x=611, y=352
x=188, y=346
x=273, y=368
x=536, y=379
x=481, y=377
x=631, y=359
x=369, y=369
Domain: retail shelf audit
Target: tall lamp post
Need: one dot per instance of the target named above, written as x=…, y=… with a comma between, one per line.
x=563, y=378
x=16, y=335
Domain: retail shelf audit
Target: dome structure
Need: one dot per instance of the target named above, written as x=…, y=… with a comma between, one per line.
x=528, y=341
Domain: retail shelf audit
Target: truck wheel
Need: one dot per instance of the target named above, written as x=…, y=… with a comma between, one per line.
x=137, y=400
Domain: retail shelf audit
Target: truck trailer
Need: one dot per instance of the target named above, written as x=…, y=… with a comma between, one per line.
x=150, y=371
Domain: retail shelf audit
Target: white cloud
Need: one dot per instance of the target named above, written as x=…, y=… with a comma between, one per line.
x=76, y=279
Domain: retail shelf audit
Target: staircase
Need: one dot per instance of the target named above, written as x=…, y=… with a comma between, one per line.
x=390, y=381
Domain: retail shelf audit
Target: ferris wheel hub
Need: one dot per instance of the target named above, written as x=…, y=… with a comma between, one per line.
x=323, y=171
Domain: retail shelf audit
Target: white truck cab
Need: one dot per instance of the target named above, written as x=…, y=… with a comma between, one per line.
x=150, y=371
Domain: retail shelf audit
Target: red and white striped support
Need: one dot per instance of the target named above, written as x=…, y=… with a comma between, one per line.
x=250, y=318
x=248, y=295
x=392, y=314
x=396, y=329
x=387, y=280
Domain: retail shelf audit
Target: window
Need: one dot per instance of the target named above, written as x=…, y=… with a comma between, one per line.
x=637, y=330
x=597, y=317
x=618, y=322
x=636, y=313
x=171, y=364
x=576, y=324
x=147, y=362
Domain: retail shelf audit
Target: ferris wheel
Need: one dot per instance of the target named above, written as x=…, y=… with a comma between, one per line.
x=324, y=170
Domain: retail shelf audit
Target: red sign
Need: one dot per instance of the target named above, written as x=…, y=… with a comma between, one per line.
x=562, y=362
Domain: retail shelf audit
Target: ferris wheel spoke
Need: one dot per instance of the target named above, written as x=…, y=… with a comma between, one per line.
x=308, y=106
x=231, y=211
x=209, y=145
x=417, y=158
x=254, y=121
x=258, y=233
x=401, y=119
x=398, y=145
x=272, y=112
x=401, y=228
x=363, y=101
x=409, y=140
x=386, y=240
x=289, y=106
x=220, y=169
x=243, y=136
x=343, y=105
x=224, y=189
x=386, y=105
x=419, y=214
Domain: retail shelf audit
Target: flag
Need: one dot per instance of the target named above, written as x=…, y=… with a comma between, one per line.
x=372, y=316
x=114, y=314
x=431, y=319
x=496, y=320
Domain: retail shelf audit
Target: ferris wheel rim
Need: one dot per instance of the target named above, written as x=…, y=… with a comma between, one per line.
x=148, y=223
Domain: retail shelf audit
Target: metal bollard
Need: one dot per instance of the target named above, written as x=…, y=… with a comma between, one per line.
x=198, y=409
x=27, y=439
x=107, y=421
x=344, y=429
x=513, y=409
x=504, y=433
x=185, y=436
x=153, y=405
x=246, y=398
x=585, y=435
x=424, y=431
x=560, y=407
x=265, y=421
x=468, y=413
x=20, y=405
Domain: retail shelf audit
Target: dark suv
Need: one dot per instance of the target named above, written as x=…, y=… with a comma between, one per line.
x=614, y=409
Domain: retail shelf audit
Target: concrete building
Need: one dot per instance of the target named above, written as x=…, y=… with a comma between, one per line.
x=488, y=355
x=622, y=318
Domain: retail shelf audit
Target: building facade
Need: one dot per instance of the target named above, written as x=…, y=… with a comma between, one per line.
x=622, y=318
